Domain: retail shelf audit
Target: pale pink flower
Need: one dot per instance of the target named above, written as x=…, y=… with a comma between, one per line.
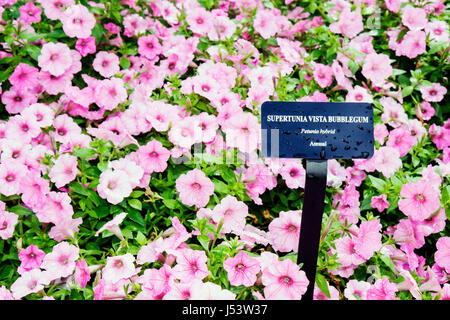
x=64, y=170
x=418, y=201
x=17, y=99
x=283, y=280
x=379, y=202
x=319, y=295
x=153, y=156
x=358, y=94
x=401, y=139
x=113, y=225
x=65, y=128
x=82, y=274
x=368, y=240
x=199, y=20
x=119, y=267
x=233, y=212
x=11, y=173
x=29, y=282
x=356, y=290
x=5, y=294
x=191, y=264
x=437, y=30
x=134, y=171
x=149, y=46
x=55, y=58
x=377, y=68
x=54, y=9
x=31, y=258
x=222, y=28
x=157, y=281
x=410, y=284
x=293, y=174
x=114, y=186
x=61, y=261
x=349, y=23
x=284, y=231
x=387, y=161
x=414, y=18
x=77, y=21
x=265, y=23
x=194, y=188
x=413, y=44
x=210, y=291
x=241, y=269
x=185, y=133
x=8, y=221
x=433, y=93
x=179, y=291
x=442, y=255
x=106, y=63
x=242, y=132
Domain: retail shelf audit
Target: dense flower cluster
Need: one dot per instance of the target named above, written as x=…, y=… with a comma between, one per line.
x=130, y=163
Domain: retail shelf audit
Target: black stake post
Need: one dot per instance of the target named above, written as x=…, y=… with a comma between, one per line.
x=313, y=205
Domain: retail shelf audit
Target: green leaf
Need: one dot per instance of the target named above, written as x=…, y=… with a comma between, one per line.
x=141, y=239
x=20, y=210
x=387, y=261
x=78, y=188
x=97, y=32
x=137, y=194
x=322, y=284
x=170, y=203
x=34, y=52
x=353, y=66
x=204, y=241
x=378, y=183
x=136, y=216
x=125, y=63
x=135, y=203
x=220, y=187
x=85, y=153
x=407, y=91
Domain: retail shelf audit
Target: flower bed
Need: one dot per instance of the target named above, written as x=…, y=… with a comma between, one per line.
x=130, y=161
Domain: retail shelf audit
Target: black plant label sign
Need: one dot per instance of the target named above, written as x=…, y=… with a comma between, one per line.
x=317, y=130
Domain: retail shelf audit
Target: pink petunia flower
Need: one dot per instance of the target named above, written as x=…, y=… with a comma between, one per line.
x=153, y=156
x=86, y=46
x=210, y=291
x=31, y=258
x=29, y=282
x=119, y=267
x=413, y=44
x=194, y=188
x=82, y=274
x=293, y=174
x=379, y=202
x=283, y=280
x=106, y=63
x=356, y=290
x=114, y=186
x=191, y=265
x=65, y=128
x=377, y=68
x=55, y=58
x=414, y=18
x=30, y=13
x=242, y=269
x=54, y=9
x=350, y=23
x=64, y=170
x=265, y=23
x=233, y=212
x=61, y=261
x=401, y=139
x=323, y=75
x=113, y=226
x=433, y=93
x=418, y=201
x=149, y=46
x=24, y=76
x=8, y=221
x=17, y=99
x=199, y=20
x=242, y=132
x=442, y=255
x=284, y=231
x=383, y=289
x=77, y=21
x=11, y=174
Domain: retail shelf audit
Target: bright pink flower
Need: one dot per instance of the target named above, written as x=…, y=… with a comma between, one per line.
x=31, y=258
x=358, y=94
x=30, y=13
x=377, y=68
x=106, y=63
x=241, y=269
x=119, y=267
x=86, y=46
x=419, y=200
x=82, y=274
x=284, y=231
x=383, y=289
x=425, y=111
x=284, y=280
x=17, y=99
x=356, y=290
x=64, y=170
x=433, y=93
x=55, y=58
x=401, y=139
x=77, y=21
x=442, y=255
x=8, y=221
x=233, y=212
x=157, y=281
x=323, y=75
x=368, y=240
x=149, y=46
x=24, y=76
x=61, y=261
x=347, y=254
x=379, y=202
x=114, y=186
x=30, y=282
x=191, y=264
x=414, y=18
x=194, y=188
